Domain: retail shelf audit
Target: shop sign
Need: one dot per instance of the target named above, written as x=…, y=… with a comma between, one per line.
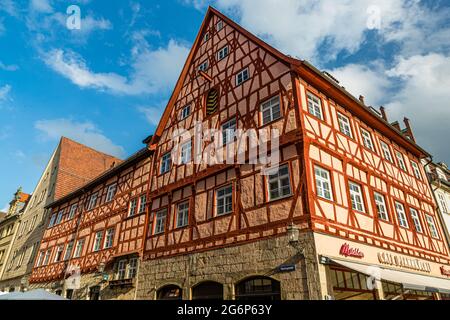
x=348, y=251
x=445, y=271
x=403, y=262
x=286, y=268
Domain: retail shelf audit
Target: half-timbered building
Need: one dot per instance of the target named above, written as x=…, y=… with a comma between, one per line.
x=90, y=249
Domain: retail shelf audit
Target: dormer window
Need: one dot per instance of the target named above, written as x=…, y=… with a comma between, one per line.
x=222, y=53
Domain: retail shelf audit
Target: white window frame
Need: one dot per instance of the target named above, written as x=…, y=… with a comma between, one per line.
x=68, y=251
x=185, y=112
x=242, y=76
x=367, y=139
x=314, y=105
x=219, y=25
x=132, y=268
x=401, y=215
x=182, y=214
x=52, y=220
x=47, y=256
x=323, y=183
x=380, y=204
x=166, y=162
x=186, y=152
x=400, y=160
x=40, y=259
x=79, y=248
x=273, y=107
x=356, y=196
x=416, y=220
x=206, y=37
x=386, y=151
x=109, y=238
x=92, y=201
x=226, y=198
x=59, y=217
x=344, y=125
x=223, y=52
x=203, y=66
x=133, y=206
x=229, y=131
x=58, y=254
x=160, y=221
x=97, y=245
x=442, y=202
x=275, y=183
x=416, y=170
x=73, y=210
x=142, y=203
x=111, y=192
x=432, y=226
x=121, y=269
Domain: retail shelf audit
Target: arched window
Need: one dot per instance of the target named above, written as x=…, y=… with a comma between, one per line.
x=210, y=290
x=212, y=102
x=258, y=288
x=169, y=292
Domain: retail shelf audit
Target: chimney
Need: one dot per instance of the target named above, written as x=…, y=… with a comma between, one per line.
x=361, y=98
x=409, y=132
x=383, y=113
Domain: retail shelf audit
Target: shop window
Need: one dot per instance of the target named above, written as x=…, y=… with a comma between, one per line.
x=348, y=285
x=258, y=288
x=208, y=290
x=169, y=292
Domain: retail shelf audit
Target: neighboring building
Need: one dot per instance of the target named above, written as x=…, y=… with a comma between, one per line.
x=439, y=177
x=350, y=191
x=70, y=166
x=9, y=225
x=98, y=230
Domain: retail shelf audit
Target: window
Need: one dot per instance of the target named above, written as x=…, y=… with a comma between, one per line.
x=219, y=25
x=98, y=240
x=73, y=210
x=59, y=217
x=58, y=255
x=52, y=220
x=416, y=170
x=224, y=200
x=183, y=214
x=185, y=112
x=442, y=202
x=47, y=257
x=133, y=204
x=165, y=163
x=222, y=53
x=109, y=238
x=111, y=192
x=79, y=248
x=203, y=66
x=367, y=139
x=441, y=174
x=68, y=252
x=242, y=76
x=186, y=150
x=160, y=224
x=142, y=203
x=206, y=37
x=92, y=201
x=356, y=197
x=314, y=105
x=32, y=224
x=121, y=269
x=344, y=125
x=432, y=226
x=132, y=268
x=323, y=183
x=270, y=110
x=381, y=206
x=416, y=220
x=386, y=151
x=228, y=131
x=40, y=259
x=401, y=215
x=212, y=102
x=401, y=161
x=279, y=183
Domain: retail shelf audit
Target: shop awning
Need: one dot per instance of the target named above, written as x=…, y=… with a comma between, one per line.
x=408, y=280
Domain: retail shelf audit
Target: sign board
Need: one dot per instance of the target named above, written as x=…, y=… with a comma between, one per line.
x=286, y=267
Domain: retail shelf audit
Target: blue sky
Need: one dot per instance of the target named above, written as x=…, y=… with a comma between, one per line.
x=106, y=84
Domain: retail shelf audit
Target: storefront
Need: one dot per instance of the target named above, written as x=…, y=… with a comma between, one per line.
x=354, y=271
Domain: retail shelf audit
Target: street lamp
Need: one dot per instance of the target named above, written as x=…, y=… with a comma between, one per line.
x=293, y=233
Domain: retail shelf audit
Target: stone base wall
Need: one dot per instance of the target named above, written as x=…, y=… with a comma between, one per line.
x=232, y=264
x=8, y=284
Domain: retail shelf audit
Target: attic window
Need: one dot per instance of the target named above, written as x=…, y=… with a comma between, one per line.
x=219, y=25
x=206, y=37
x=203, y=66
x=222, y=53
x=212, y=102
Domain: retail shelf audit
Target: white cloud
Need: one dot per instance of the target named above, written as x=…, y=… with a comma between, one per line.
x=4, y=92
x=6, y=67
x=151, y=114
x=42, y=6
x=152, y=71
x=84, y=132
x=9, y=7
